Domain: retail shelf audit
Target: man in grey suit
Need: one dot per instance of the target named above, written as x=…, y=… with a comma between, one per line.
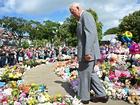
x=88, y=53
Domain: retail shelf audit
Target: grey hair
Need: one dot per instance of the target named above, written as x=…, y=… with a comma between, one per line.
x=75, y=4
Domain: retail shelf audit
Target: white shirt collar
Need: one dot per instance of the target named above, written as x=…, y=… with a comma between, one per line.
x=81, y=13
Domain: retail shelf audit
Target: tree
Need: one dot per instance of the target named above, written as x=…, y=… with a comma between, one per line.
x=35, y=30
x=113, y=30
x=62, y=34
x=50, y=30
x=131, y=23
x=71, y=28
x=15, y=25
x=53, y=32
x=39, y=43
x=25, y=44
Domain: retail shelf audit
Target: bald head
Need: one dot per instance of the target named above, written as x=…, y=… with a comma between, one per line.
x=75, y=10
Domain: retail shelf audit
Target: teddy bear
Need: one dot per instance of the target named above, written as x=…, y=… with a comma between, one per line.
x=133, y=98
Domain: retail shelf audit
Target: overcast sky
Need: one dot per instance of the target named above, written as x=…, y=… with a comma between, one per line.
x=109, y=11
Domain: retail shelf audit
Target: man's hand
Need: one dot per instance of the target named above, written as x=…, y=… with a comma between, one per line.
x=88, y=58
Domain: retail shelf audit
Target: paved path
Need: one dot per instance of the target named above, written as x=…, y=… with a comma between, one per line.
x=44, y=74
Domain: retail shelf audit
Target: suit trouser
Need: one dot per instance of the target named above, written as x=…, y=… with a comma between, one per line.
x=97, y=86
x=88, y=80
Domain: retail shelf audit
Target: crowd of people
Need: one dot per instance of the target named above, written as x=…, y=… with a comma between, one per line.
x=12, y=55
x=119, y=49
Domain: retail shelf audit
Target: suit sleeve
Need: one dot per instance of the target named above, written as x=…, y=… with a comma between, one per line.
x=89, y=32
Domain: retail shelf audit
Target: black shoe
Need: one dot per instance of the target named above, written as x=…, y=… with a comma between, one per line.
x=103, y=99
x=85, y=102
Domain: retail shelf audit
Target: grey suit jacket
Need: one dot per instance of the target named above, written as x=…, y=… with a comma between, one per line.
x=87, y=37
